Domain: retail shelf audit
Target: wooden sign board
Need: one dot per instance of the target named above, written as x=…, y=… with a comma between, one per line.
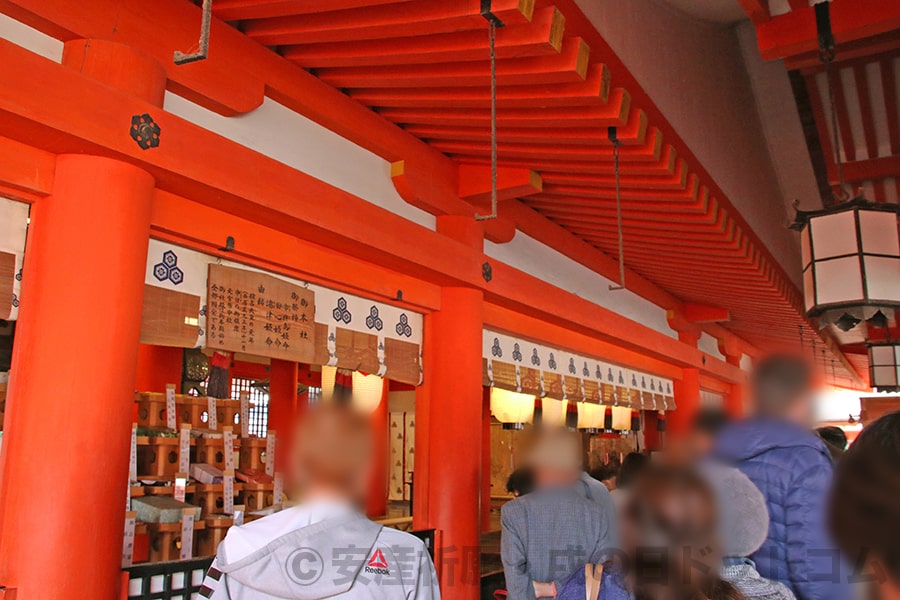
x=255, y=313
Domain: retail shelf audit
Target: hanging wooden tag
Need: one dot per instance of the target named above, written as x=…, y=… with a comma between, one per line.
x=184, y=449
x=228, y=440
x=171, y=411
x=278, y=489
x=270, y=452
x=181, y=480
x=132, y=466
x=187, y=533
x=213, y=420
x=245, y=414
x=128, y=540
x=228, y=492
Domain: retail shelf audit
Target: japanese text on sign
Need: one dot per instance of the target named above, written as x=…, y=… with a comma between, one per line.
x=255, y=313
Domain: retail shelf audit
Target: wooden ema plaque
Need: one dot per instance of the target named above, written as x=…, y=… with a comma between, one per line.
x=259, y=314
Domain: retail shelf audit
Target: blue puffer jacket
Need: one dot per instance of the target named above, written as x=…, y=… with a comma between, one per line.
x=793, y=469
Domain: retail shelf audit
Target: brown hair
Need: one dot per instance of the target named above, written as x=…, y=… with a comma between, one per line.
x=673, y=509
x=779, y=381
x=864, y=512
x=332, y=448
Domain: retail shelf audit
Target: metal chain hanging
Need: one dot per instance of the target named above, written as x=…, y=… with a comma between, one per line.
x=827, y=54
x=492, y=40
x=615, y=144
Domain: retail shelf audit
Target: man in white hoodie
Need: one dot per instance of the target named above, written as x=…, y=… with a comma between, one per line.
x=324, y=547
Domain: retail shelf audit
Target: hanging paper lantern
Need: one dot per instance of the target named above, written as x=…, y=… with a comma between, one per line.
x=661, y=421
x=368, y=391
x=512, y=409
x=608, y=418
x=621, y=418
x=364, y=391
x=590, y=417
x=553, y=412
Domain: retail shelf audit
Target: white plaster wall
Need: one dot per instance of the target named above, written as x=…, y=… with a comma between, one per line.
x=694, y=71
x=530, y=255
x=710, y=345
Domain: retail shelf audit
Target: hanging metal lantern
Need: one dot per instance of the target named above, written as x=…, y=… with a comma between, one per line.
x=884, y=366
x=851, y=262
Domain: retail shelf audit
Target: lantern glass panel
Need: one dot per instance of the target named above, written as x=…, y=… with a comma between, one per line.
x=878, y=231
x=882, y=355
x=805, y=251
x=883, y=278
x=809, y=289
x=884, y=376
x=838, y=280
x=833, y=235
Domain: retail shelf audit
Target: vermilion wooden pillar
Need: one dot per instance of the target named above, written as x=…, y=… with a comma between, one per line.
x=451, y=403
x=687, y=401
x=282, y=408
x=158, y=366
x=71, y=392
x=376, y=500
x=486, y=460
x=64, y=464
x=734, y=399
x=455, y=434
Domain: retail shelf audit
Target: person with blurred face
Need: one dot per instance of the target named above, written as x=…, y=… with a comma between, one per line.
x=324, y=547
x=671, y=539
x=865, y=511
x=792, y=468
x=547, y=533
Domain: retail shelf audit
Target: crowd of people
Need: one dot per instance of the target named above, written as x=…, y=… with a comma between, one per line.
x=764, y=508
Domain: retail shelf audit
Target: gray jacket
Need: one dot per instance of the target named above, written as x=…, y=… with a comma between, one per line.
x=344, y=556
x=549, y=533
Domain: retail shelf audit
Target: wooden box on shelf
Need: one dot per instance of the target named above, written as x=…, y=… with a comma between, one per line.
x=210, y=497
x=257, y=495
x=157, y=457
x=151, y=409
x=253, y=453
x=212, y=451
x=193, y=410
x=211, y=536
x=228, y=414
x=165, y=540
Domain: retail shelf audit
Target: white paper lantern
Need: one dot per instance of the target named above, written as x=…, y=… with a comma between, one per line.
x=884, y=366
x=590, y=416
x=512, y=409
x=553, y=412
x=367, y=389
x=851, y=261
x=621, y=418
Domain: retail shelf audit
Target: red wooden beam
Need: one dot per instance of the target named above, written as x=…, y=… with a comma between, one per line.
x=592, y=91
x=616, y=112
x=795, y=33
x=235, y=10
x=26, y=171
x=570, y=65
x=387, y=21
x=544, y=35
x=865, y=170
x=700, y=313
x=475, y=183
x=888, y=83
